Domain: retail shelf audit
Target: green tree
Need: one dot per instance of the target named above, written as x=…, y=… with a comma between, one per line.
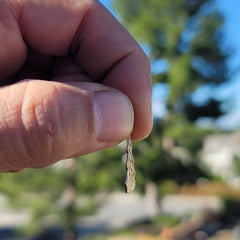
x=54, y=194
x=186, y=36
x=49, y=193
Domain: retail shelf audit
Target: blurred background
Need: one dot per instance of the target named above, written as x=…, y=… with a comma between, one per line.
x=188, y=169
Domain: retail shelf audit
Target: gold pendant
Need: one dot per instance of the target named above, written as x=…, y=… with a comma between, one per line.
x=131, y=172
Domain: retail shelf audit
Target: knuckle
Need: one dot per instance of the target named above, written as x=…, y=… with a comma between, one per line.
x=40, y=125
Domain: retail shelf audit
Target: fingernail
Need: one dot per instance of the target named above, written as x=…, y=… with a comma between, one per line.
x=113, y=116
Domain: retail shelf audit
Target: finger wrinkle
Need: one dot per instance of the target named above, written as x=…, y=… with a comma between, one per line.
x=76, y=41
x=27, y=117
x=15, y=7
x=101, y=42
x=49, y=26
x=36, y=130
x=12, y=47
x=10, y=132
x=121, y=59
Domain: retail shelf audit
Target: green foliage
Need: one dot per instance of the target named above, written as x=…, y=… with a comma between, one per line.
x=28, y=181
x=102, y=170
x=170, y=152
x=236, y=165
x=43, y=190
x=94, y=238
x=166, y=220
x=168, y=187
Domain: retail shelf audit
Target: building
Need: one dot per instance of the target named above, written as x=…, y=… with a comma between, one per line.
x=219, y=152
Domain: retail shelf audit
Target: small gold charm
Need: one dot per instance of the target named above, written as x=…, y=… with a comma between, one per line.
x=130, y=176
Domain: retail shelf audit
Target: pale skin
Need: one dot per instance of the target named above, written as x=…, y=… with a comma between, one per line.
x=73, y=81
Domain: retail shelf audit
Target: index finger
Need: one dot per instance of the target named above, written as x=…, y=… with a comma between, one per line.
x=99, y=43
x=107, y=51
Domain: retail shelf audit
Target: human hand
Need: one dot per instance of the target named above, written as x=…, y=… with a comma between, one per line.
x=100, y=88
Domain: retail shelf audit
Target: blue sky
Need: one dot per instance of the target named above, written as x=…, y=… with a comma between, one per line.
x=231, y=29
x=107, y=3
x=231, y=90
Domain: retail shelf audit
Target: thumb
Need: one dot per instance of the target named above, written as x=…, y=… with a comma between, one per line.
x=42, y=122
